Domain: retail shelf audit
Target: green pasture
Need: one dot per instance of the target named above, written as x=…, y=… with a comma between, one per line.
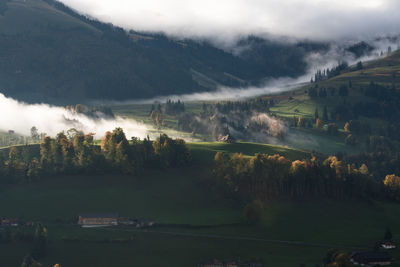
x=205, y=151
x=179, y=197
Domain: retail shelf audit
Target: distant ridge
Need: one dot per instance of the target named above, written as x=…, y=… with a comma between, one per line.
x=50, y=53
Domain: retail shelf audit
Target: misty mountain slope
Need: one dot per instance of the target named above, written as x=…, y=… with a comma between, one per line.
x=52, y=54
x=385, y=70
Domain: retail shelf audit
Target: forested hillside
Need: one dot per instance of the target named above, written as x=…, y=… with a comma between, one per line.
x=51, y=53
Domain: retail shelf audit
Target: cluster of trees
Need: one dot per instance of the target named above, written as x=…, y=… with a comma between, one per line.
x=392, y=185
x=173, y=108
x=253, y=105
x=322, y=92
x=80, y=154
x=158, y=118
x=327, y=119
x=387, y=106
x=273, y=177
x=337, y=258
x=360, y=49
x=94, y=111
x=325, y=74
x=240, y=125
x=354, y=128
x=224, y=118
x=379, y=163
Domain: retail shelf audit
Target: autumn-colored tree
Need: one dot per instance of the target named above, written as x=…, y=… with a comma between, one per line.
x=107, y=147
x=46, y=159
x=392, y=185
x=71, y=133
x=86, y=154
x=318, y=123
x=347, y=127
x=16, y=167
x=34, y=170
x=14, y=155
x=157, y=118
x=122, y=157
x=364, y=169
x=171, y=153
x=337, y=165
x=222, y=167
x=341, y=260
x=57, y=151
x=300, y=122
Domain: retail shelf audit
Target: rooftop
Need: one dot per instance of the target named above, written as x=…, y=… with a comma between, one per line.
x=99, y=215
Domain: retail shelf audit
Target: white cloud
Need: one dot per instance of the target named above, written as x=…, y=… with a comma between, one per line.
x=316, y=19
x=52, y=120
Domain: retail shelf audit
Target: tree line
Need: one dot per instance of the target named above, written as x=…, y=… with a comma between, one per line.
x=326, y=74
x=265, y=177
x=63, y=155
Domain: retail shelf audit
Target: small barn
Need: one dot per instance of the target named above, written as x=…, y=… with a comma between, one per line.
x=227, y=138
x=98, y=219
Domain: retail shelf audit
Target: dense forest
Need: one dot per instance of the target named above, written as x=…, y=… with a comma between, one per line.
x=269, y=177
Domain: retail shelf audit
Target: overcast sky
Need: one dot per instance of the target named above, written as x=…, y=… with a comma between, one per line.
x=315, y=19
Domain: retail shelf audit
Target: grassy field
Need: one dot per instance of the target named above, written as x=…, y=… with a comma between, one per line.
x=178, y=197
x=290, y=233
x=296, y=138
x=205, y=151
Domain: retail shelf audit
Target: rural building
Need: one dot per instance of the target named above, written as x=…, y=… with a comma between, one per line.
x=375, y=258
x=9, y=222
x=388, y=245
x=218, y=263
x=253, y=264
x=98, y=219
x=227, y=139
